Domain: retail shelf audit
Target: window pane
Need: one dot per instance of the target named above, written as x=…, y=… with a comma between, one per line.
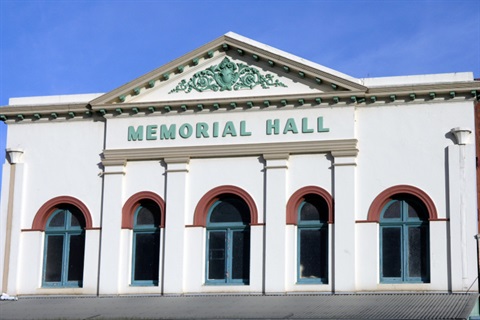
x=145, y=217
x=391, y=252
x=230, y=210
x=77, y=219
x=314, y=208
x=216, y=255
x=58, y=220
x=393, y=211
x=241, y=255
x=75, y=257
x=416, y=210
x=417, y=252
x=146, y=256
x=313, y=253
x=54, y=256
x=309, y=212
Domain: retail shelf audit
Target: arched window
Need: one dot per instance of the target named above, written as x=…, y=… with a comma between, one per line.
x=312, y=230
x=228, y=241
x=404, y=240
x=64, y=248
x=146, y=243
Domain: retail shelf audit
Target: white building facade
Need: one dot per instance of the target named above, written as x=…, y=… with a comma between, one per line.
x=239, y=168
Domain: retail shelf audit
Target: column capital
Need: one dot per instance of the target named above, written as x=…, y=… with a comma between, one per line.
x=345, y=157
x=14, y=156
x=276, y=160
x=177, y=164
x=462, y=135
x=118, y=168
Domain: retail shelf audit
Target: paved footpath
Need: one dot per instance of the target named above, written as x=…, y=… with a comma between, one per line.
x=301, y=306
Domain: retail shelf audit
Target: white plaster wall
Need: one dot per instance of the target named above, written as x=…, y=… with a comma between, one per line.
x=144, y=176
x=407, y=144
x=243, y=172
x=309, y=170
x=397, y=145
x=60, y=158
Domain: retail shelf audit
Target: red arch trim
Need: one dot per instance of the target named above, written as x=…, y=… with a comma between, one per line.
x=203, y=206
x=299, y=195
x=132, y=204
x=42, y=215
x=382, y=199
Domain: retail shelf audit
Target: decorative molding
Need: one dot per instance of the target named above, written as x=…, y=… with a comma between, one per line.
x=382, y=199
x=227, y=76
x=298, y=196
x=232, y=150
x=134, y=201
x=42, y=215
x=203, y=206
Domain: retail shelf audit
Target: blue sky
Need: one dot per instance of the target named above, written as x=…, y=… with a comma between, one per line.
x=59, y=47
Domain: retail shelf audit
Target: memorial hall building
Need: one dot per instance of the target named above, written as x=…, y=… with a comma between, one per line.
x=240, y=168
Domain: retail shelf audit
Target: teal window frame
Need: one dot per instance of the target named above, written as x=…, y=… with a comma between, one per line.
x=66, y=232
x=226, y=251
x=405, y=226
x=152, y=229
x=321, y=226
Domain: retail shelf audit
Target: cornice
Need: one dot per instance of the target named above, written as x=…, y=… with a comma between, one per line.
x=377, y=96
x=115, y=156
x=45, y=112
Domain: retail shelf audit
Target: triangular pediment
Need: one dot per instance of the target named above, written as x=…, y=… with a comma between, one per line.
x=231, y=68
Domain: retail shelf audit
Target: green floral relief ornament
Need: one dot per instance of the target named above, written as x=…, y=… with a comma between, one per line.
x=227, y=76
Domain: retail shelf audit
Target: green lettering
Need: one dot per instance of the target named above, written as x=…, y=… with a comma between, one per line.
x=202, y=130
x=275, y=126
x=290, y=126
x=305, y=128
x=185, y=130
x=135, y=134
x=229, y=129
x=167, y=133
x=243, y=130
x=151, y=132
x=320, y=127
x=215, y=129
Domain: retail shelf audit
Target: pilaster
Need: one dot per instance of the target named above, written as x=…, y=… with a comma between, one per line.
x=176, y=198
x=344, y=193
x=461, y=208
x=276, y=169
x=110, y=239
x=12, y=222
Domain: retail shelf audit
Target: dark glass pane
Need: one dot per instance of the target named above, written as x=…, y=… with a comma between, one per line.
x=147, y=248
x=309, y=212
x=314, y=208
x=416, y=210
x=145, y=217
x=241, y=255
x=313, y=253
x=393, y=211
x=77, y=219
x=216, y=255
x=54, y=256
x=417, y=252
x=230, y=210
x=391, y=252
x=76, y=255
x=58, y=220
